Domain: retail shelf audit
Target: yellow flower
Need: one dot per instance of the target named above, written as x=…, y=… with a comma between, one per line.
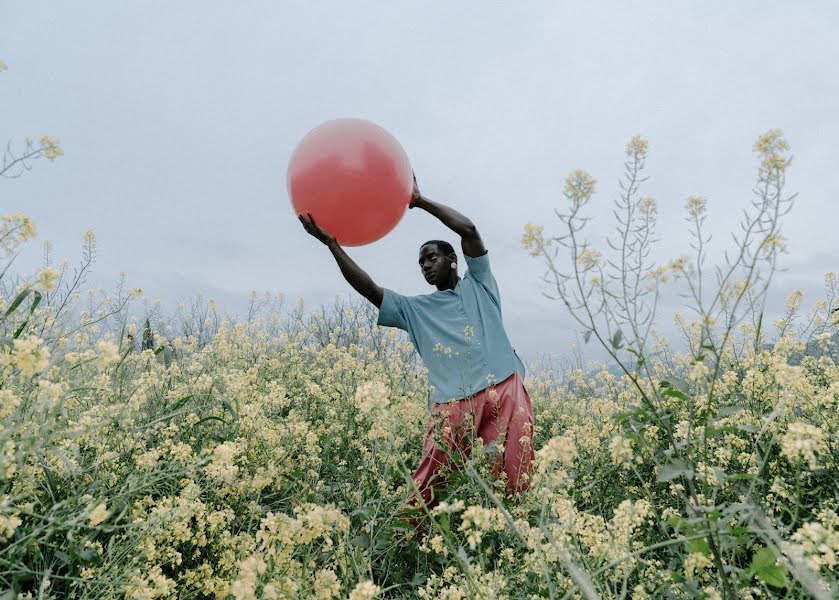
x=327, y=585
x=774, y=243
x=588, y=259
x=108, y=352
x=8, y=402
x=30, y=356
x=772, y=146
x=579, y=186
x=50, y=147
x=699, y=371
x=89, y=239
x=793, y=302
x=803, y=441
x=14, y=230
x=98, y=514
x=771, y=142
x=637, y=147
x=620, y=449
x=695, y=206
x=223, y=466
x=532, y=239
x=365, y=590
x=47, y=278
x=694, y=563
x=8, y=526
x=371, y=396
x=648, y=206
x=558, y=449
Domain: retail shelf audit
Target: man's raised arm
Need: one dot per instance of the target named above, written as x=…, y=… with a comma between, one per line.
x=355, y=275
x=470, y=240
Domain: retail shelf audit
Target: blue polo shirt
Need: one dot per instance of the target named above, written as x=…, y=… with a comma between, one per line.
x=458, y=333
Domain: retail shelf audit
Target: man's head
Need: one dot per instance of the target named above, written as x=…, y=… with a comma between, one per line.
x=435, y=260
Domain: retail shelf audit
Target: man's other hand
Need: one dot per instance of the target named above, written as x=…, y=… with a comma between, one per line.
x=416, y=196
x=316, y=230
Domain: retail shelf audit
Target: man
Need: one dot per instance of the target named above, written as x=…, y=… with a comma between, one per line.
x=475, y=374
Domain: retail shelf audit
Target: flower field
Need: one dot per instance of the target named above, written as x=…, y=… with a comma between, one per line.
x=271, y=457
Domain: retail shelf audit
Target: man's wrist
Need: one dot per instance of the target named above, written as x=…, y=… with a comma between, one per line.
x=420, y=202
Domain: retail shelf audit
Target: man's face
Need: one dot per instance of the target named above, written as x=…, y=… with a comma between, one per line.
x=435, y=266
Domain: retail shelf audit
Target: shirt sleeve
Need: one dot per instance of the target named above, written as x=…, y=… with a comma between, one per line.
x=480, y=272
x=393, y=311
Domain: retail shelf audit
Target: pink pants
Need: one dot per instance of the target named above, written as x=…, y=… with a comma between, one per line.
x=500, y=413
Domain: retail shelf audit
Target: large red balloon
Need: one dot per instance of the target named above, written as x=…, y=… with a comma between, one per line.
x=354, y=177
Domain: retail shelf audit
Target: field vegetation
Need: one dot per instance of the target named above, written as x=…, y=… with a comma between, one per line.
x=270, y=456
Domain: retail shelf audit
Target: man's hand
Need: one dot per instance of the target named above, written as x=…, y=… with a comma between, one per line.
x=316, y=230
x=416, y=196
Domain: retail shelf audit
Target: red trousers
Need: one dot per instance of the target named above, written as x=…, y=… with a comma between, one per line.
x=500, y=414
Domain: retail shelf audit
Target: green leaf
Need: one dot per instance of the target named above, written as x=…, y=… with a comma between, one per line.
x=616, y=339
x=205, y=419
x=181, y=402
x=17, y=301
x=674, y=393
x=229, y=408
x=699, y=546
x=677, y=522
x=445, y=525
x=767, y=569
x=675, y=468
x=36, y=300
x=587, y=336
x=726, y=411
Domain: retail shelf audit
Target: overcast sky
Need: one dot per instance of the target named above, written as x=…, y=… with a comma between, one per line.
x=177, y=120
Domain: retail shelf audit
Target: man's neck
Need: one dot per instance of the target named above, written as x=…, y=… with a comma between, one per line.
x=451, y=285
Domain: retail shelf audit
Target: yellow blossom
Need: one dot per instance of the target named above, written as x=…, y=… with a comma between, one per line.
x=47, y=278
x=30, y=355
x=793, y=301
x=803, y=441
x=558, y=449
x=532, y=240
x=8, y=525
x=372, y=396
x=579, y=186
x=637, y=147
x=588, y=259
x=699, y=371
x=108, y=352
x=15, y=229
x=695, y=206
x=98, y=514
x=648, y=206
x=50, y=147
x=620, y=449
x=365, y=590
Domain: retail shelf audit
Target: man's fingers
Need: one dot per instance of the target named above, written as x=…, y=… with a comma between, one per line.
x=306, y=225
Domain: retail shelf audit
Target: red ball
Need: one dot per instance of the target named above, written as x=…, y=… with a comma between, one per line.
x=354, y=177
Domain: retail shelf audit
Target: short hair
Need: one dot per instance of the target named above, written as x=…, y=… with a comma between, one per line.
x=445, y=247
